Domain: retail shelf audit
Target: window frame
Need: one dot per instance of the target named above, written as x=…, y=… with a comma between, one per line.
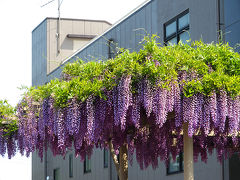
x=70, y=165
x=105, y=158
x=85, y=170
x=54, y=173
x=181, y=168
x=178, y=31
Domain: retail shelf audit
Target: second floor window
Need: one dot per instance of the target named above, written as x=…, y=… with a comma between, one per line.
x=177, y=29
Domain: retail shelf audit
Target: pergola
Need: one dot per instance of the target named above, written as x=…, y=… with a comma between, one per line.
x=155, y=102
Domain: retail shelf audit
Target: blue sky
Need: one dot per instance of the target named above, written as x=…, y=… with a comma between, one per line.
x=18, y=19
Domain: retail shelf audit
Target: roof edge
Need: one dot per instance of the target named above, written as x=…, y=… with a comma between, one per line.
x=39, y=24
x=113, y=26
x=76, y=19
x=72, y=19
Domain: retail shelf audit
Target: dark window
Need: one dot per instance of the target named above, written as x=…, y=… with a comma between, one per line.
x=56, y=174
x=70, y=166
x=105, y=158
x=175, y=166
x=177, y=29
x=87, y=165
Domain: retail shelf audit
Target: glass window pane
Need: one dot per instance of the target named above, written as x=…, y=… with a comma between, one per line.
x=105, y=158
x=87, y=165
x=172, y=41
x=171, y=29
x=184, y=37
x=183, y=21
x=56, y=174
x=174, y=166
x=70, y=165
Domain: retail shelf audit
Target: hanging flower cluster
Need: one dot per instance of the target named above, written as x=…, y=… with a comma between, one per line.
x=142, y=99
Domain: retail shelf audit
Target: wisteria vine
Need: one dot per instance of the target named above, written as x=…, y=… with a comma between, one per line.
x=141, y=99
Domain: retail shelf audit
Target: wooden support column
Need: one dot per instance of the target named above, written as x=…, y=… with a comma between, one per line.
x=123, y=158
x=188, y=154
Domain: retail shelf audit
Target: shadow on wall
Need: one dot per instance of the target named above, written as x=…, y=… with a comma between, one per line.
x=67, y=44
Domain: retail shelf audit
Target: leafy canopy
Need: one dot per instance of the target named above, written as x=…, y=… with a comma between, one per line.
x=8, y=122
x=210, y=68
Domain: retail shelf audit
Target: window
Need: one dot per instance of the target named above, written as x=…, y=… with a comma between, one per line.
x=175, y=166
x=70, y=166
x=177, y=29
x=87, y=165
x=105, y=158
x=56, y=174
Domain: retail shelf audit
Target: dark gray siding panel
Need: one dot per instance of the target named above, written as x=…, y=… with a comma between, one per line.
x=203, y=20
x=131, y=33
x=232, y=35
x=142, y=32
x=97, y=170
x=100, y=48
x=155, y=16
x=92, y=51
x=139, y=29
x=232, y=22
x=82, y=55
x=39, y=54
x=231, y=12
x=118, y=36
x=86, y=52
x=127, y=35
x=148, y=19
x=123, y=42
x=104, y=46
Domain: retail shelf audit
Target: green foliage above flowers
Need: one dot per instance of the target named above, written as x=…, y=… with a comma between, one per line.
x=207, y=67
x=5, y=109
x=8, y=122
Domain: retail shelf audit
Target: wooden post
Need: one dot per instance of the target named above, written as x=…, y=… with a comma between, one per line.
x=188, y=154
x=123, y=160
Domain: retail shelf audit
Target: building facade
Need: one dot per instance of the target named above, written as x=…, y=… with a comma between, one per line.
x=54, y=40
x=175, y=20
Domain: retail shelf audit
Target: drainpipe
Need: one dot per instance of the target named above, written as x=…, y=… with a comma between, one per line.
x=220, y=38
x=58, y=28
x=220, y=19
